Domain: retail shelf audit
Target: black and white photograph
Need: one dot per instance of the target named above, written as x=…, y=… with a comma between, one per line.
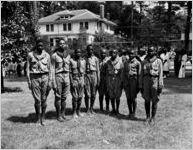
x=96, y=74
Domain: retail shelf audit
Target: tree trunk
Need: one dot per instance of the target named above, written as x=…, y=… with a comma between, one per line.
x=2, y=81
x=187, y=30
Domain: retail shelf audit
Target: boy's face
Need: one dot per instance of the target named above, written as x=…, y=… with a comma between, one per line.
x=114, y=54
x=90, y=50
x=63, y=45
x=78, y=53
x=103, y=54
x=132, y=54
x=40, y=47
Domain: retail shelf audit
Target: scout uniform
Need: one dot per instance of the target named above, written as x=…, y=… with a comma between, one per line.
x=114, y=80
x=103, y=84
x=132, y=71
x=91, y=81
x=61, y=81
x=38, y=73
x=77, y=72
x=152, y=82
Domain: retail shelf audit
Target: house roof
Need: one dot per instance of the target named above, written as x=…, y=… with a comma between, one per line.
x=77, y=15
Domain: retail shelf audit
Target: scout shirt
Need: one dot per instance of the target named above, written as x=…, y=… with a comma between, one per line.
x=92, y=65
x=114, y=67
x=60, y=64
x=132, y=67
x=77, y=67
x=153, y=67
x=114, y=77
x=38, y=64
x=102, y=66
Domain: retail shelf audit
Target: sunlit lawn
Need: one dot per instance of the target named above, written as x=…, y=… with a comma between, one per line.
x=173, y=128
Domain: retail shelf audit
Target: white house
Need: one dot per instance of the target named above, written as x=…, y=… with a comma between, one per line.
x=75, y=24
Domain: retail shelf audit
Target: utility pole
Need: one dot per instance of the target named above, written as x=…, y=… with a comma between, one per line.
x=132, y=24
x=187, y=30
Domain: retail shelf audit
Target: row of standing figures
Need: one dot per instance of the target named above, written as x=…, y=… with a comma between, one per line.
x=80, y=76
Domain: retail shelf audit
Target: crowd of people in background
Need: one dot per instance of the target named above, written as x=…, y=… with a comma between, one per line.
x=12, y=68
x=17, y=67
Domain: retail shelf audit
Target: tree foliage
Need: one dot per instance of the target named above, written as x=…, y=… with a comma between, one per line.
x=150, y=25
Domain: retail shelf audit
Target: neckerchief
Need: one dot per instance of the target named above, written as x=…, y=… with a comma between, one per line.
x=39, y=57
x=115, y=61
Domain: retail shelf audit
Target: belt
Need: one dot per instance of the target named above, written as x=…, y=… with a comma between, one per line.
x=90, y=72
x=38, y=74
x=151, y=75
x=65, y=72
x=113, y=75
x=77, y=75
x=133, y=75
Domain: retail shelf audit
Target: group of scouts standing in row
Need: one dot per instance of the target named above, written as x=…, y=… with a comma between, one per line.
x=85, y=76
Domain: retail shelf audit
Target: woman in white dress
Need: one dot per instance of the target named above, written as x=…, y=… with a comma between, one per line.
x=182, y=71
x=165, y=56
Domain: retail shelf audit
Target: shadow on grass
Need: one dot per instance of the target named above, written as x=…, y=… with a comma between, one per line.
x=16, y=79
x=31, y=118
x=51, y=115
x=12, y=90
x=176, y=85
x=120, y=116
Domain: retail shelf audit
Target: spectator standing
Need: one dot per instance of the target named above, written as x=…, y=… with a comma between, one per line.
x=165, y=59
x=19, y=69
x=10, y=68
x=14, y=67
x=182, y=70
x=24, y=68
x=177, y=63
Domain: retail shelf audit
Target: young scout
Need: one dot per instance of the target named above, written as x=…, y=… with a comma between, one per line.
x=39, y=79
x=103, y=84
x=124, y=55
x=114, y=80
x=132, y=71
x=77, y=72
x=152, y=83
x=60, y=61
x=92, y=79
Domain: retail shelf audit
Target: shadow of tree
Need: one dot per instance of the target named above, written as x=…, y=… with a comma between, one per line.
x=12, y=89
x=31, y=118
x=176, y=85
x=16, y=79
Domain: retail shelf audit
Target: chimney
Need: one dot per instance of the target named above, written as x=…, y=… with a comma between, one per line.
x=108, y=16
x=102, y=11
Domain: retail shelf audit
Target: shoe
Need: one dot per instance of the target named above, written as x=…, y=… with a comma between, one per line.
x=79, y=113
x=152, y=121
x=38, y=121
x=130, y=116
x=78, y=108
x=113, y=112
x=74, y=116
x=92, y=111
x=117, y=113
x=147, y=121
x=43, y=122
x=60, y=119
x=133, y=116
x=88, y=112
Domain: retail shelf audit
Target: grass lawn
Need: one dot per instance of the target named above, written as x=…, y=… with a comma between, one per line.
x=173, y=129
